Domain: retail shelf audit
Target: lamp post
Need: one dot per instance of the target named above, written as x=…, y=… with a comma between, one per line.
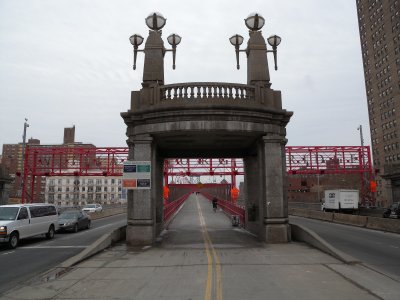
x=155, y=21
x=254, y=23
x=26, y=125
x=319, y=199
x=364, y=183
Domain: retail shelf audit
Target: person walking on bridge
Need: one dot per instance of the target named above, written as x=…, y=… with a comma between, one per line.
x=215, y=203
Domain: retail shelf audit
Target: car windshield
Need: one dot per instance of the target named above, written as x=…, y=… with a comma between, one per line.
x=8, y=213
x=90, y=206
x=69, y=215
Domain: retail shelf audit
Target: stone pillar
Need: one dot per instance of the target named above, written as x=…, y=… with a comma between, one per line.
x=141, y=212
x=153, y=69
x=157, y=190
x=253, y=196
x=276, y=222
x=257, y=63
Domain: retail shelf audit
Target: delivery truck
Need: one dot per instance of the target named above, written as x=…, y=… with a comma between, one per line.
x=341, y=200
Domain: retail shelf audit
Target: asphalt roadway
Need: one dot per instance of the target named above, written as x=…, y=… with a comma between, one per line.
x=37, y=255
x=378, y=249
x=203, y=257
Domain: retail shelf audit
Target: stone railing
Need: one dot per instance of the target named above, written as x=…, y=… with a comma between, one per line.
x=206, y=90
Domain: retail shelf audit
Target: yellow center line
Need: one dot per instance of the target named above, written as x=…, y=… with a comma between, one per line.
x=208, y=245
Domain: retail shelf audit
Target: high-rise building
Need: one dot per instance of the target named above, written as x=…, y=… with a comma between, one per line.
x=379, y=25
x=69, y=135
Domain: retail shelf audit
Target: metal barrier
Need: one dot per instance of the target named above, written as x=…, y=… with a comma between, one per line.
x=229, y=208
x=171, y=208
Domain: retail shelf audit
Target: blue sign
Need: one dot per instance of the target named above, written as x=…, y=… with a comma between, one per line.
x=129, y=168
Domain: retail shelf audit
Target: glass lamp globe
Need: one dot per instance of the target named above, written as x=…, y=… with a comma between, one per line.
x=174, y=39
x=274, y=40
x=155, y=21
x=236, y=40
x=254, y=22
x=136, y=39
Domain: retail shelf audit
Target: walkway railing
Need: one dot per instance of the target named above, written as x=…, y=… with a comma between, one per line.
x=207, y=90
x=171, y=208
x=229, y=208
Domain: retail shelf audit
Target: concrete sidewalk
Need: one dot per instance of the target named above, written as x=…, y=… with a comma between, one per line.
x=203, y=257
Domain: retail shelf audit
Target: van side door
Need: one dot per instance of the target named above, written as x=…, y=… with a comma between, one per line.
x=23, y=223
x=36, y=216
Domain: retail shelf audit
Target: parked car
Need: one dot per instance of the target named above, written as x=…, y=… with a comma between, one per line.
x=393, y=211
x=89, y=208
x=19, y=221
x=73, y=220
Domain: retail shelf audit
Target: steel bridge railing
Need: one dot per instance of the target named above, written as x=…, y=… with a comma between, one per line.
x=171, y=208
x=229, y=208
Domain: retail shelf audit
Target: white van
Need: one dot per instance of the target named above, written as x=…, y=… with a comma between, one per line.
x=18, y=221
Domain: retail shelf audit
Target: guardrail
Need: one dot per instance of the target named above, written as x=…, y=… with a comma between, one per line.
x=171, y=208
x=390, y=225
x=228, y=207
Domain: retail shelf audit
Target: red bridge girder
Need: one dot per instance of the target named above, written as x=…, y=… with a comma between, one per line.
x=108, y=161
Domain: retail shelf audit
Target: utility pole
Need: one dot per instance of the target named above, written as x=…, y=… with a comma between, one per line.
x=364, y=176
x=361, y=136
x=26, y=125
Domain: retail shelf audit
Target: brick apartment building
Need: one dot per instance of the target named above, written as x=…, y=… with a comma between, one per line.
x=379, y=26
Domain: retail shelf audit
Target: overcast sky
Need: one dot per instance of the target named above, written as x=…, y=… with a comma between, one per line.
x=69, y=62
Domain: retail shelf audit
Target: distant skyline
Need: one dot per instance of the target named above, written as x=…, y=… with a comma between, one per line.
x=65, y=63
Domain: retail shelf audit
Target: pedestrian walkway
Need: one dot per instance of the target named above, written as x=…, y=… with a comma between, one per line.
x=202, y=256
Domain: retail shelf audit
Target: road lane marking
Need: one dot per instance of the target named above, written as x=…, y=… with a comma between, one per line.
x=7, y=253
x=52, y=247
x=207, y=295
x=208, y=245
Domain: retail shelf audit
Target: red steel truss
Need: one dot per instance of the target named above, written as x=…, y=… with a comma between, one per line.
x=69, y=161
x=108, y=161
x=328, y=159
x=334, y=160
x=192, y=167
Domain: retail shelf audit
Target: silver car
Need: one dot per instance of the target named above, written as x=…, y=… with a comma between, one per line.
x=90, y=208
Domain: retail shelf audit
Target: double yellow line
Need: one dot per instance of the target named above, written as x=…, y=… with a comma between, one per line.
x=211, y=253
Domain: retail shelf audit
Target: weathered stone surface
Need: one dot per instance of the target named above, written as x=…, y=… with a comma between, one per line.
x=202, y=120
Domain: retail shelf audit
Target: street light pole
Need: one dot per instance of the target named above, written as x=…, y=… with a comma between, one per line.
x=364, y=186
x=361, y=135
x=26, y=125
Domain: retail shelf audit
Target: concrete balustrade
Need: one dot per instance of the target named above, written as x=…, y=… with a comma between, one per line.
x=205, y=90
x=390, y=225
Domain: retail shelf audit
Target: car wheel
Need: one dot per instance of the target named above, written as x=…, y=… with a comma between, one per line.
x=88, y=225
x=14, y=240
x=50, y=233
x=76, y=228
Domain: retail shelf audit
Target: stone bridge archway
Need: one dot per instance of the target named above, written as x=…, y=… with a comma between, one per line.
x=205, y=120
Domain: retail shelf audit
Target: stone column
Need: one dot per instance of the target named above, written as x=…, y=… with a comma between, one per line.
x=254, y=205
x=276, y=222
x=257, y=63
x=141, y=212
x=153, y=69
x=157, y=190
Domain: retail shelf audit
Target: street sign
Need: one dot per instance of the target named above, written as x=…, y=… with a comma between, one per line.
x=137, y=175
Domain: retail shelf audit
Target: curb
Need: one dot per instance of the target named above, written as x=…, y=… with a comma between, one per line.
x=302, y=234
x=105, y=241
